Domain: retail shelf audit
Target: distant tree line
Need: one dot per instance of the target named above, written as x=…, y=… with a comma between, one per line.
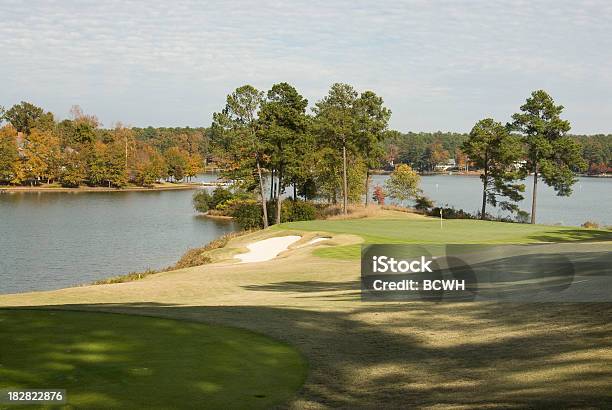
x=425, y=150
x=328, y=153
x=324, y=152
x=35, y=149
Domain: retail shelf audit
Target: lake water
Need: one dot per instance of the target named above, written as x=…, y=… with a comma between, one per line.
x=55, y=240
x=591, y=200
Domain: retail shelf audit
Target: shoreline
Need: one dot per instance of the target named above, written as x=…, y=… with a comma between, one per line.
x=37, y=189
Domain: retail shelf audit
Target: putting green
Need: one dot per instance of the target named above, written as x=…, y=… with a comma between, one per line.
x=428, y=230
x=119, y=361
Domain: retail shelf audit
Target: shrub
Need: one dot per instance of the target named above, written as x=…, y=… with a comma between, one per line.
x=201, y=200
x=193, y=257
x=219, y=196
x=196, y=256
x=247, y=214
x=451, y=213
x=293, y=211
x=297, y=211
x=379, y=195
x=129, y=277
x=522, y=217
x=590, y=225
x=423, y=203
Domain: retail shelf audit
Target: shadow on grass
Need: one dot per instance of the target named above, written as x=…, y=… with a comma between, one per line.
x=549, y=276
x=310, y=286
x=424, y=354
x=127, y=362
x=571, y=235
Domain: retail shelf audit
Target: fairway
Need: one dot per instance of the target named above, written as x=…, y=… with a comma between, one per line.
x=118, y=361
x=409, y=229
x=360, y=354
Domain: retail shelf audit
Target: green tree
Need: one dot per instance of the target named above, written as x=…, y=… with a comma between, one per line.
x=116, y=165
x=282, y=127
x=372, y=119
x=335, y=125
x=236, y=129
x=98, y=164
x=551, y=154
x=494, y=150
x=74, y=171
x=25, y=116
x=177, y=161
x=403, y=184
x=201, y=200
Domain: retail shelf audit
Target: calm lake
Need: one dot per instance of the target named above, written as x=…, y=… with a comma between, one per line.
x=55, y=240
x=591, y=200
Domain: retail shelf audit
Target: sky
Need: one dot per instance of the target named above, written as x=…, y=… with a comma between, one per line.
x=439, y=65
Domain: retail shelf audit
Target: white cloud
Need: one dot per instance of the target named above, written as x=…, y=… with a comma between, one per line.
x=439, y=65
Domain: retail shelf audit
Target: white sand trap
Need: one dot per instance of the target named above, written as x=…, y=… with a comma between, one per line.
x=267, y=249
x=313, y=241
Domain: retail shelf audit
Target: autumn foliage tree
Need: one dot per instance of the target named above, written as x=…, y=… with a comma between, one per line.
x=35, y=150
x=379, y=195
x=10, y=163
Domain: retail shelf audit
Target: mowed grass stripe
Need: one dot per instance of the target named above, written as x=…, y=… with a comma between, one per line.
x=409, y=230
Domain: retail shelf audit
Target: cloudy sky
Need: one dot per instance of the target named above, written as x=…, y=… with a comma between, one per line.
x=439, y=65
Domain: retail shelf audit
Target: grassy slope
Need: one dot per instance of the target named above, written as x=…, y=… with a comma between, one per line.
x=404, y=229
x=120, y=361
x=396, y=355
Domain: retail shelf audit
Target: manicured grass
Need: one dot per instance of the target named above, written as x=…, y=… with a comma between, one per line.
x=120, y=361
x=427, y=230
x=360, y=354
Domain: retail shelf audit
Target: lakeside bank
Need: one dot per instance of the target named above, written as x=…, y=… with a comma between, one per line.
x=52, y=188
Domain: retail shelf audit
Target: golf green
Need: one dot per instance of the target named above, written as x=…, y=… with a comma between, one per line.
x=430, y=230
x=107, y=360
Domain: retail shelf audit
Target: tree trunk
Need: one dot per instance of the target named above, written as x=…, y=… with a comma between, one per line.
x=344, y=181
x=272, y=185
x=294, y=192
x=278, y=198
x=367, y=186
x=534, y=194
x=484, y=202
x=485, y=183
x=263, y=198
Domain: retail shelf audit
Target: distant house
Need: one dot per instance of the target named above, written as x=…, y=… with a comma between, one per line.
x=448, y=165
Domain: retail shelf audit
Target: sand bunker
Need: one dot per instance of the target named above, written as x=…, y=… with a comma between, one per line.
x=313, y=241
x=267, y=249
